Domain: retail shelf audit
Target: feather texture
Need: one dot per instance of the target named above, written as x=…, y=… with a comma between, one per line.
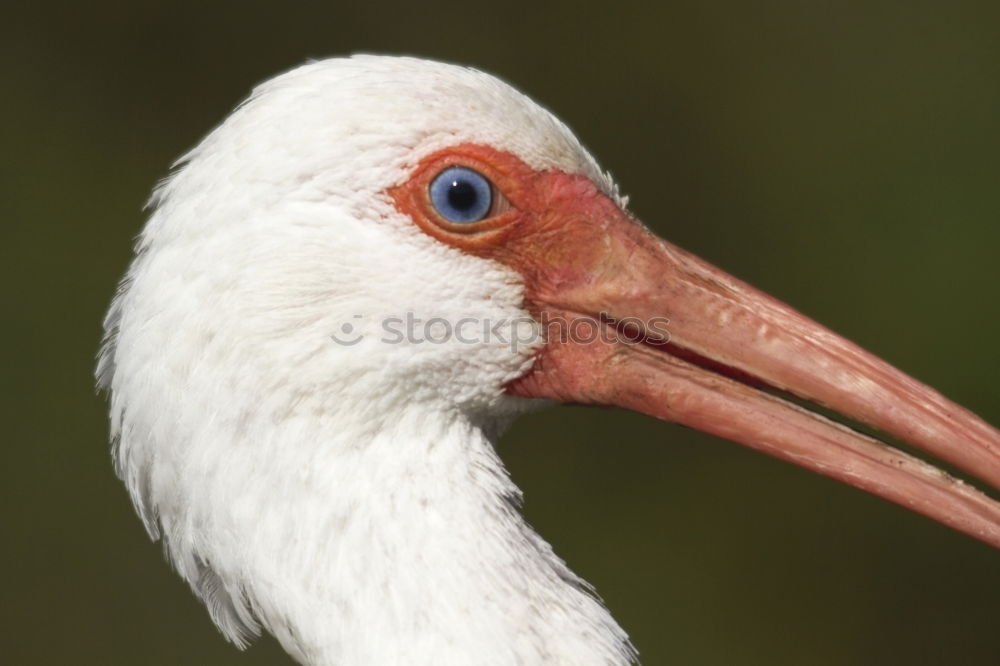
x=346, y=498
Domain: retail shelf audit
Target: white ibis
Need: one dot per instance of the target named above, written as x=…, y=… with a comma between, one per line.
x=350, y=287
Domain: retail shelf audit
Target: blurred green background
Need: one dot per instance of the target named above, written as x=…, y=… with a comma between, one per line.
x=844, y=156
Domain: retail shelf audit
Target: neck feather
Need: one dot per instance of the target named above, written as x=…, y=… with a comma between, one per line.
x=406, y=547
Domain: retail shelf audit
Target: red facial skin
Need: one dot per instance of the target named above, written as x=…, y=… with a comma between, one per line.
x=582, y=258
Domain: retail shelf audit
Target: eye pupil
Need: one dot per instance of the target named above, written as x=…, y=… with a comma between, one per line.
x=461, y=195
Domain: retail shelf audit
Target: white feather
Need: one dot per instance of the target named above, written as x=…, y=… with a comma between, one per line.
x=347, y=499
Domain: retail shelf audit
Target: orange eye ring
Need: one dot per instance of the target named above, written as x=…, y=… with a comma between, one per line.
x=509, y=180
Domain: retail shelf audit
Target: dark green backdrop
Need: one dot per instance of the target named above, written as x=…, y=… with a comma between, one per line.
x=843, y=155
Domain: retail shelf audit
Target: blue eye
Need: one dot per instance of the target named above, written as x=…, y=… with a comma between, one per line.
x=461, y=195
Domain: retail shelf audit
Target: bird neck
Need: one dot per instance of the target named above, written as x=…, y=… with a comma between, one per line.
x=406, y=546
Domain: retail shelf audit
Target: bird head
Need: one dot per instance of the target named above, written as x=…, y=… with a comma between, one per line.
x=384, y=245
